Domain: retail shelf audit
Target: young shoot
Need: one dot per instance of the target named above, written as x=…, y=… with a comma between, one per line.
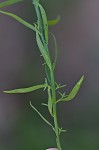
x=41, y=30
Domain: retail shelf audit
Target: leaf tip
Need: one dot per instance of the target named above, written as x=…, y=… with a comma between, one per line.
x=5, y=91
x=81, y=80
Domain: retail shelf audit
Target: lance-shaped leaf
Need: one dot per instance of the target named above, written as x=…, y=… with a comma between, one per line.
x=56, y=50
x=26, y=90
x=44, y=119
x=25, y=23
x=54, y=22
x=43, y=51
x=50, y=102
x=74, y=91
x=9, y=2
x=45, y=22
x=47, y=71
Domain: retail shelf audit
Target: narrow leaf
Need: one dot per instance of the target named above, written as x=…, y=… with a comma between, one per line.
x=35, y=2
x=50, y=105
x=47, y=71
x=53, y=22
x=25, y=23
x=74, y=91
x=43, y=50
x=26, y=90
x=45, y=22
x=9, y=2
x=56, y=49
x=44, y=119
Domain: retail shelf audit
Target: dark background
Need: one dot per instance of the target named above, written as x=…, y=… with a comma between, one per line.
x=21, y=66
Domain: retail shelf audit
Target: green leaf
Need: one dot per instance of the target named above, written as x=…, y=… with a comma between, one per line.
x=26, y=90
x=50, y=103
x=47, y=71
x=9, y=2
x=74, y=91
x=35, y=2
x=56, y=49
x=44, y=119
x=43, y=50
x=19, y=20
x=53, y=22
x=45, y=22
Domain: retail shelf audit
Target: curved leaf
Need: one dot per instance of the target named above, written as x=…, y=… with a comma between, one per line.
x=45, y=22
x=43, y=50
x=9, y=2
x=56, y=49
x=26, y=90
x=74, y=91
x=54, y=22
x=44, y=119
x=25, y=23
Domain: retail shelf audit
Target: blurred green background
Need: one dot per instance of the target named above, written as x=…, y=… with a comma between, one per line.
x=21, y=66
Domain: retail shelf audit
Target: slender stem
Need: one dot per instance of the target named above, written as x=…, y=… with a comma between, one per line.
x=51, y=76
x=55, y=110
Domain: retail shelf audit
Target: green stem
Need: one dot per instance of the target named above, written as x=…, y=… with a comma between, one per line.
x=55, y=110
x=42, y=33
x=51, y=76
